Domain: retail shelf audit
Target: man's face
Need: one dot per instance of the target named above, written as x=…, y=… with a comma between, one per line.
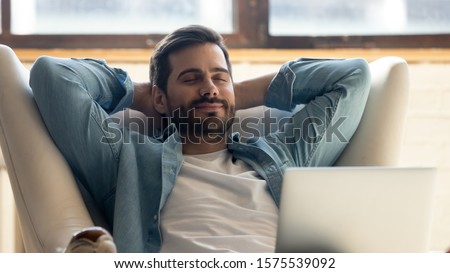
x=200, y=94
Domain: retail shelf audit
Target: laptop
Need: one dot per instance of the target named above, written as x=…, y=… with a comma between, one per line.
x=356, y=210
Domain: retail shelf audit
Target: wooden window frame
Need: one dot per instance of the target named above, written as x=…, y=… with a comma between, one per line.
x=252, y=31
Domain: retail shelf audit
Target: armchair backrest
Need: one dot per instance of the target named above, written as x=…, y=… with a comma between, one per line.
x=377, y=141
x=50, y=206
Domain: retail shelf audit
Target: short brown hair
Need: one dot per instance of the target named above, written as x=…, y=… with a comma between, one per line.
x=179, y=39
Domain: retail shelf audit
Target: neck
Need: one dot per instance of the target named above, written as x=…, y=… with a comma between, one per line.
x=203, y=145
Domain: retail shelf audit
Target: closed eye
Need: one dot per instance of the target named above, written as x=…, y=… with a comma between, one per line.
x=222, y=77
x=191, y=79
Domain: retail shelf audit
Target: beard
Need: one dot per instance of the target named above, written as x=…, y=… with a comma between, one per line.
x=200, y=127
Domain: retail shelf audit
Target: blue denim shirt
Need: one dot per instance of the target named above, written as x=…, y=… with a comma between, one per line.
x=131, y=176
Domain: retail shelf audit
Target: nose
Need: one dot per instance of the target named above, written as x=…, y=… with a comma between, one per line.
x=209, y=89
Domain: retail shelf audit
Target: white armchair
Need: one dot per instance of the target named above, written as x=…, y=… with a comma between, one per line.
x=50, y=206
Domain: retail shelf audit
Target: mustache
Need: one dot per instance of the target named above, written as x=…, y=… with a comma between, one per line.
x=208, y=100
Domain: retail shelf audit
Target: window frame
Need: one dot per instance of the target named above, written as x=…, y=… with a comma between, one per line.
x=252, y=31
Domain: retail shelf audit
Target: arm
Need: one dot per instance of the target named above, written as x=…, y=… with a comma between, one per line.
x=143, y=102
x=251, y=93
x=74, y=98
x=304, y=80
x=334, y=93
x=142, y=99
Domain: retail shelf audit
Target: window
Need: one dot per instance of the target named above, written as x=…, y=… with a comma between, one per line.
x=117, y=16
x=243, y=23
x=368, y=17
x=354, y=23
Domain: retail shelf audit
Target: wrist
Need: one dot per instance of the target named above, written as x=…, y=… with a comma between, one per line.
x=239, y=100
x=141, y=97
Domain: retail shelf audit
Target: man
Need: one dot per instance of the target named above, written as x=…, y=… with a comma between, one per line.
x=196, y=187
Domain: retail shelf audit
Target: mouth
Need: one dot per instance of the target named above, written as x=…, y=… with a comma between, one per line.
x=209, y=106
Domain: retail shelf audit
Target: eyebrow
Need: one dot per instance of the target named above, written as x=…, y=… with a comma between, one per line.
x=199, y=71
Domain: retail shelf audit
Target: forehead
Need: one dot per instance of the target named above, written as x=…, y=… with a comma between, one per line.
x=202, y=56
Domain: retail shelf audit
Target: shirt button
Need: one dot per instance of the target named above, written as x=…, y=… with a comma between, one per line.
x=155, y=217
x=271, y=169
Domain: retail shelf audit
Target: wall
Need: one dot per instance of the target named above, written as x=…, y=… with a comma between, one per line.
x=427, y=137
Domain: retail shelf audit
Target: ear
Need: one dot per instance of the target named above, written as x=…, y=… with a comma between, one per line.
x=159, y=100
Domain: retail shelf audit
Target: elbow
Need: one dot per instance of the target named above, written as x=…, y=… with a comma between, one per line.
x=362, y=75
x=42, y=74
x=47, y=77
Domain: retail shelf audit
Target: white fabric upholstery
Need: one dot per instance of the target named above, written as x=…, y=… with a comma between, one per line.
x=377, y=142
x=48, y=201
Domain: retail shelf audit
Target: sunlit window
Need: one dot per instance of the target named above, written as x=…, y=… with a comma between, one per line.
x=358, y=17
x=117, y=16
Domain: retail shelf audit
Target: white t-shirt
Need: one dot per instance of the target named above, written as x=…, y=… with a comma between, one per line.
x=218, y=205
